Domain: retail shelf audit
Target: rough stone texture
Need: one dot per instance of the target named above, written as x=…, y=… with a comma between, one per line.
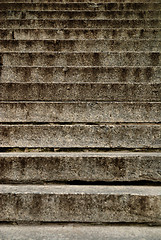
x=79, y=45
x=81, y=135
x=81, y=74
x=80, y=14
x=81, y=6
x=69, y=59
x=83, y=23
x=96, y=66
x=68, y=112
x=78, y=232
x=79, y=33
x=80, y=203
x=80, y=92
x=90, y=166
x=66, y=1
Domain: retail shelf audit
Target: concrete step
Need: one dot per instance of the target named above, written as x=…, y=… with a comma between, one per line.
x=109, y=136
x=63, y=203
x=81, y=6
x=79, y=232
x=79, y=14
x=46, y=167
x=79, y=45
x=80, y=34
x=84, y=1
x=82, y=112
x=83, y=23
x=81, y=74
x=68, y=59
x=80, y=92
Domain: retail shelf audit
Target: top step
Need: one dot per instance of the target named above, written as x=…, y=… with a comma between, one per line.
x=81, y=5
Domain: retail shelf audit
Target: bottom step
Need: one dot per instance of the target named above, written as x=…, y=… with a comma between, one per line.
x=75, y=203
x=79, y=232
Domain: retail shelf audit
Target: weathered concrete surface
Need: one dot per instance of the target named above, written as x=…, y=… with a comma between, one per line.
x=80, y=92
x=94, y=33
x=90, y=166
x=81, y=135
x=64, y=203
x=80, y=112
x=79, y=45
x=83, y=23
x=80, y=14
x=78, y=232
x=66, y=1
x=80, y=74
x=102, y=59
x=82, y=6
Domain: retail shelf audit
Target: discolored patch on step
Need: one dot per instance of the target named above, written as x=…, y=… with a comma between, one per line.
x=155, y=58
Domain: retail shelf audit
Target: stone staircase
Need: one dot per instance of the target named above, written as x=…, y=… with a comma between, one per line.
x=80, y=114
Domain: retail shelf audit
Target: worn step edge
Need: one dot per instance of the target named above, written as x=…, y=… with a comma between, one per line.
x=79, y=33
x=81, y=136
x=81, y=232
x=64, y=203
x=79, y=45
x=82, y=74
x=40, y=112
x=80, y=92
x=83, y=23
x=93, y=166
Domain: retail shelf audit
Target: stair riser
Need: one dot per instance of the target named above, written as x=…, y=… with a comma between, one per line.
x=80, y=6
x=79, y=34
x=50, y=24
x=81, y=136
x=81, y=45
x=81, y=59
x=79, y=207
x=80, y=15
x=81, y=74
x=80, y=112
x=80, y=92
x=19, y=168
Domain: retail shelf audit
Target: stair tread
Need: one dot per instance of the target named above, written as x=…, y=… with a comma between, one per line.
x=80, y=189
x=80, y=154
x=79, y=232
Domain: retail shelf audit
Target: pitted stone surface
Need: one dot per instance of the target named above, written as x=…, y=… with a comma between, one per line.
x=80, y=203
x=78, y=78
x=80, y=112
x=81, y=136
x=78, y=232
x=90, y=166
